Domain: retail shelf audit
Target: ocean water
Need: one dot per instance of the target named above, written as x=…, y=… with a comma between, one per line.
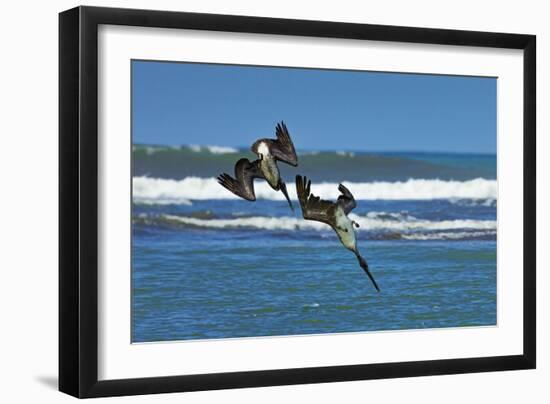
x=206, y=264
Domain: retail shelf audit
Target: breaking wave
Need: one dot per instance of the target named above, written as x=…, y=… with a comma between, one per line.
x=381, y=225
x=450, y=235
x=162, y=191
x=371, y=221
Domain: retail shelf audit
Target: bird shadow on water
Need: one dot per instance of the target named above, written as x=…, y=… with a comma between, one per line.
x=48, y=381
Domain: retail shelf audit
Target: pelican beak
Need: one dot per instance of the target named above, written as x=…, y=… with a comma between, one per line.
x=282, y=186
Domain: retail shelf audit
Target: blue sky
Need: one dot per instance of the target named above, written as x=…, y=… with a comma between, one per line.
x=184, y=103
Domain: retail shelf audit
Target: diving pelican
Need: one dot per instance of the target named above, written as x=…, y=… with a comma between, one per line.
x=334, y=214
x=269, y=151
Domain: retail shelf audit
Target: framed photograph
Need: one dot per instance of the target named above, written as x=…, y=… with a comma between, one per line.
x=251, y=201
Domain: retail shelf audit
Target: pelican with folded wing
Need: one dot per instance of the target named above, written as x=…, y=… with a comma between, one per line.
x=335, y=214
x=269, y=152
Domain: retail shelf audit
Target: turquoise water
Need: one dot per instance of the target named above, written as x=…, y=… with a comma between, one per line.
x=205, y=265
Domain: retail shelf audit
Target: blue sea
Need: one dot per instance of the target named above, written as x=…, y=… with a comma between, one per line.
x=206, y=264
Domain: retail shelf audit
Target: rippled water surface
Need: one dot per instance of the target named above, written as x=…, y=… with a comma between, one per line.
x=231, y=268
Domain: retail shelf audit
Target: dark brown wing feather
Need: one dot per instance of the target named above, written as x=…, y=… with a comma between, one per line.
x=346, y=200
x=282, y=148
x=313, y=207
x=243, y=183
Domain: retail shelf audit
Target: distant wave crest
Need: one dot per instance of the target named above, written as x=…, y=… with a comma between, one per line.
x=382, y=225
x=213, y=149
x=162, y=191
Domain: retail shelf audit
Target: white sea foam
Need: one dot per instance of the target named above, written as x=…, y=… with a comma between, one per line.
x=221, y=149
x=158, y=191
x=449, y=235
x=163, y=201
x=371, y=222
x=213, y=149
x=255, y=222
x=345, y=153
x=194, y=188
x=151, y=150
x=377, y=221
x=473, y=202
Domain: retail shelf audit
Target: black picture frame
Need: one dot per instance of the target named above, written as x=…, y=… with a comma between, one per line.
x=78, y=201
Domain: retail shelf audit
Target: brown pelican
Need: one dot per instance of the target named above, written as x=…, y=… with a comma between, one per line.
x=269, y=151
x=334, y=214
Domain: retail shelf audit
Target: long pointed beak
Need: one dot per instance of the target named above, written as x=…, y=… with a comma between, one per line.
x=282, y=185
x=372, y=280
x=365, y=267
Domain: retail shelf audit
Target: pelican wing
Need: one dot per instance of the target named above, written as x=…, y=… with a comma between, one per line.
x=243, y=183
x=346, y=200
x=313, y=207
x=282, y=148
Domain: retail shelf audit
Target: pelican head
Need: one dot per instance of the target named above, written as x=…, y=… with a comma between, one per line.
x=261, y=148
